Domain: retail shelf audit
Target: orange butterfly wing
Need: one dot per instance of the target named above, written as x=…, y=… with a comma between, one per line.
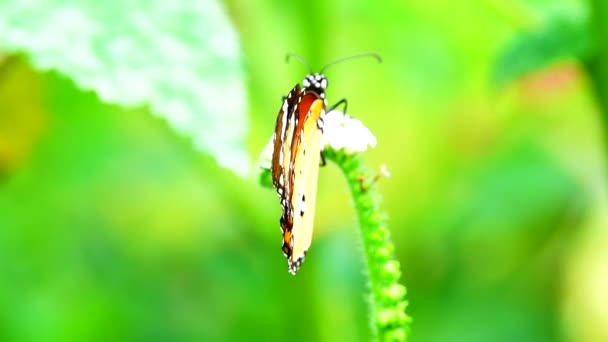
x=306, y=171
x=295, y=167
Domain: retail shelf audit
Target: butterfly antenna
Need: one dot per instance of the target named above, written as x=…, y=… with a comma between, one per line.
x=371, y=54
x=300, y=58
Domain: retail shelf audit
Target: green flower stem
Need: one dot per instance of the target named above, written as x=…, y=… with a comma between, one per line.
x=388, y=317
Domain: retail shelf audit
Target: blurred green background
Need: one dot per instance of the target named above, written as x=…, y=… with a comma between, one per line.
x=487, y=113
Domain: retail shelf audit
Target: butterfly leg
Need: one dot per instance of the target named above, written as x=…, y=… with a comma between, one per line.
x=342, y=102
x=323, y=162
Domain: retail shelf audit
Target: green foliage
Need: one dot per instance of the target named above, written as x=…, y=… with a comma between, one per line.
x=561, y=38
x=597, y=65
x=180, y=57
x=112, y=228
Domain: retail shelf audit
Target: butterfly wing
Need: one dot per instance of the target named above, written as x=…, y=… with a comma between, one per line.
x=295, y=167
x=305, y=174
x=283, y=139
x=282, y=159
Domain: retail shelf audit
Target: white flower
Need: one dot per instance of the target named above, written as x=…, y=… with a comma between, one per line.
x=341, y=131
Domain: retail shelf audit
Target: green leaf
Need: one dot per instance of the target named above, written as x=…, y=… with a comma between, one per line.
x=181, y=57
x=559, y=39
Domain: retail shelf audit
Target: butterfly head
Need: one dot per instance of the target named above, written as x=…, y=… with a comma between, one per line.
x=315, y=82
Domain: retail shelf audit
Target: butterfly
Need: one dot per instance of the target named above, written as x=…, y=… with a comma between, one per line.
x=297, y=153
